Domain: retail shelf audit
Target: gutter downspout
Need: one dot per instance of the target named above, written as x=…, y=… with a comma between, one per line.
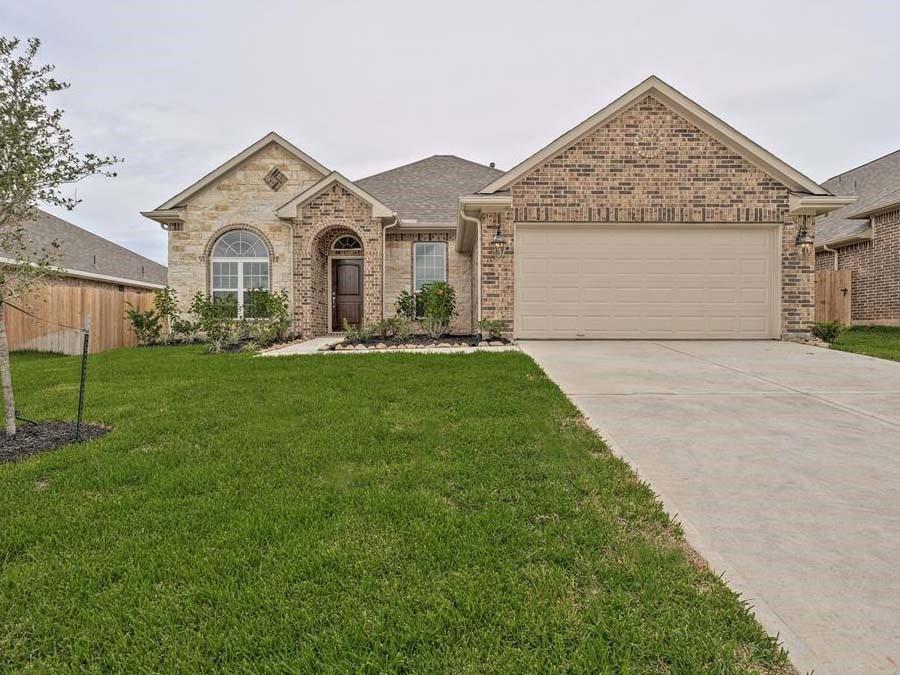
x=834, y=254
x=384, y=257
x=477, y=223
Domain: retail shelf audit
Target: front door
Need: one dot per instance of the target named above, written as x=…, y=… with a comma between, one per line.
x=346, y=292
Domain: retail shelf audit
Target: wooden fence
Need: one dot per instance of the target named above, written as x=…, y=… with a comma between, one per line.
x=833, y=295
x=59, y=307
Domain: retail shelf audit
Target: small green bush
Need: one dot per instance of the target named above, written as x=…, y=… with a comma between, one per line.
x=185, y=331
x=437, y=304
x=493, y=328
x=358, y=334
x=406, y=306
x=147, y=325
x=216, y=319
x=828, y=330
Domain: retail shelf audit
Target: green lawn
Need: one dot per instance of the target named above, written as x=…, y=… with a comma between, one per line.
x=880, y=341
x=343, y=513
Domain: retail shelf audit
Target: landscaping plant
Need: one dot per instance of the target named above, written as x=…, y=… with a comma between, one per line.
x=147, y=325
x=437, y=302
x=406, y=306
x=37, y=160
x=216, y=319
x=492, y=328
x=828, y=330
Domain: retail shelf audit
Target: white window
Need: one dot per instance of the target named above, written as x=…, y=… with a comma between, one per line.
x=346, y=243
x=429, y=262
x=239, y=264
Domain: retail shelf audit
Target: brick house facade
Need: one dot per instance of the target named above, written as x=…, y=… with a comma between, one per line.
x=612, y=176
x=864, y=238
x=651, y=157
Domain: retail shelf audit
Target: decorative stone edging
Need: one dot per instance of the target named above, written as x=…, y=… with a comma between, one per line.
x=450, y=345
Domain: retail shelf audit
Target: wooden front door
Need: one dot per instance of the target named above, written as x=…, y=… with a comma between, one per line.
x=346, y=292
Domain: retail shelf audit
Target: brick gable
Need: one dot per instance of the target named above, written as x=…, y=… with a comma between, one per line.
x=649, y=164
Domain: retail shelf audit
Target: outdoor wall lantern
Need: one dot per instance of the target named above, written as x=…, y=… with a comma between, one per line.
x=499, y=241
x=804, y=239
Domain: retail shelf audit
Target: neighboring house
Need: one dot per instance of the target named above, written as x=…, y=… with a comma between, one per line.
x=865, y=238
x=94, y=276
x=651, y=219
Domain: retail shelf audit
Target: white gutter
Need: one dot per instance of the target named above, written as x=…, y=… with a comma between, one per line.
x=384, y=257
x=477, y=223
x=91, y=275
x=834, y=254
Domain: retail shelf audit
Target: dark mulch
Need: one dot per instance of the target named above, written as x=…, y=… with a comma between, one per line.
x=31, y=439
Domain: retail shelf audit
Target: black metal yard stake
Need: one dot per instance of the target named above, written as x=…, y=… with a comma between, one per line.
x=84, y=356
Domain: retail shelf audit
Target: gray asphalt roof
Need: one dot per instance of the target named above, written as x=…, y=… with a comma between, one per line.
x=875, y=183
x=429, y=190
x=86, y=252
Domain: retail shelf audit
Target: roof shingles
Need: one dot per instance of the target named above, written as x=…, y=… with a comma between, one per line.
x=84, y=251
x=876, y=183
x=428, y=191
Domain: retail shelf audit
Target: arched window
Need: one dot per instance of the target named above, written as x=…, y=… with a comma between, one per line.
x=239, y=263
x=346, y=243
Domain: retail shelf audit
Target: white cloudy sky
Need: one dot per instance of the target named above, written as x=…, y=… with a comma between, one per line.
x=178, y=87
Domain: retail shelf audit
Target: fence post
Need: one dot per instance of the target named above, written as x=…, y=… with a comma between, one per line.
x=84, y=356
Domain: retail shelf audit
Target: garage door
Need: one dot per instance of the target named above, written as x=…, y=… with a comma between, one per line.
x=646, y=282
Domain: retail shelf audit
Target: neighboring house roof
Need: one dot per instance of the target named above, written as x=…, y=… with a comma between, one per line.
x=428, y=190
x=270, y=137
x=289, y=209
x=84, y=254
x=876, y=183
x=727, y=135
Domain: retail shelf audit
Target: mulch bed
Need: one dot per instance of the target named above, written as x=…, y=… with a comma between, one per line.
x=31, y=439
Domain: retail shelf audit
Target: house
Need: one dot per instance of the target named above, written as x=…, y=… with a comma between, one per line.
x=94, y=276
x=865, y=238
x=651, y=219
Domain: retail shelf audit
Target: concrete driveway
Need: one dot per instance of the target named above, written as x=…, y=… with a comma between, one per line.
x=781, y=461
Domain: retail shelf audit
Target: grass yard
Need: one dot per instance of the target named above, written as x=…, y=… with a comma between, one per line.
x=880, y=341
x=376, y=513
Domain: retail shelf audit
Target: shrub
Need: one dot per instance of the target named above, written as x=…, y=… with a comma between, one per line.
x=216, y=320
x=437, y=305
x=147, y=325
x=406, y=306
x=828, y=330
x=271, y=320
x=387, y=328
x=165, y=301
x=185, y=331
x=404, y=329
x=493, y=328
x=358, y=334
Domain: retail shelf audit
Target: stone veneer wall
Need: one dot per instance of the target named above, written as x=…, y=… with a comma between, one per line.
x=649, y=164
x=875, y=283
x=334, y=212
x=237, y=199
x=399, y=272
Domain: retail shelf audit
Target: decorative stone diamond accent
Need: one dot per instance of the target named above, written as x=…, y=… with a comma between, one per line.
x=275, y=179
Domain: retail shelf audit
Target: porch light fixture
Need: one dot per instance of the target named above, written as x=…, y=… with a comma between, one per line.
x=804, y=239
x=499, y=241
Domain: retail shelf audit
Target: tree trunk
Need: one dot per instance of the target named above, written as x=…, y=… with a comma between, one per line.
x=9, y=403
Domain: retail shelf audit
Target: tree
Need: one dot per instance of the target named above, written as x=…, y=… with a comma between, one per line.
x=37, y=159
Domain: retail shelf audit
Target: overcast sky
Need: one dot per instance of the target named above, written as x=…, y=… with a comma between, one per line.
x=176, y=88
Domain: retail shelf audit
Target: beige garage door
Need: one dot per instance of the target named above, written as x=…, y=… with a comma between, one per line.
x=646, y=282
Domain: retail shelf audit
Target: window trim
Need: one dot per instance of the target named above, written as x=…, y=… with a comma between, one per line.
x=443, y=244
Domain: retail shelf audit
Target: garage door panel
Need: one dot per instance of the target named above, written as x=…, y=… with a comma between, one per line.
x=646, y=282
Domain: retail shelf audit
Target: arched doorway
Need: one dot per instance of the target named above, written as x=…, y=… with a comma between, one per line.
x=345, y=282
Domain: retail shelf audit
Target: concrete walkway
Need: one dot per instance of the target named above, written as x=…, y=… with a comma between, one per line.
x=781, y=461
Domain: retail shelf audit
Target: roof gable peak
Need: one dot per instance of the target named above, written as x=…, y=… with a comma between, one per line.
x=246, y=153
x=681, y=104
